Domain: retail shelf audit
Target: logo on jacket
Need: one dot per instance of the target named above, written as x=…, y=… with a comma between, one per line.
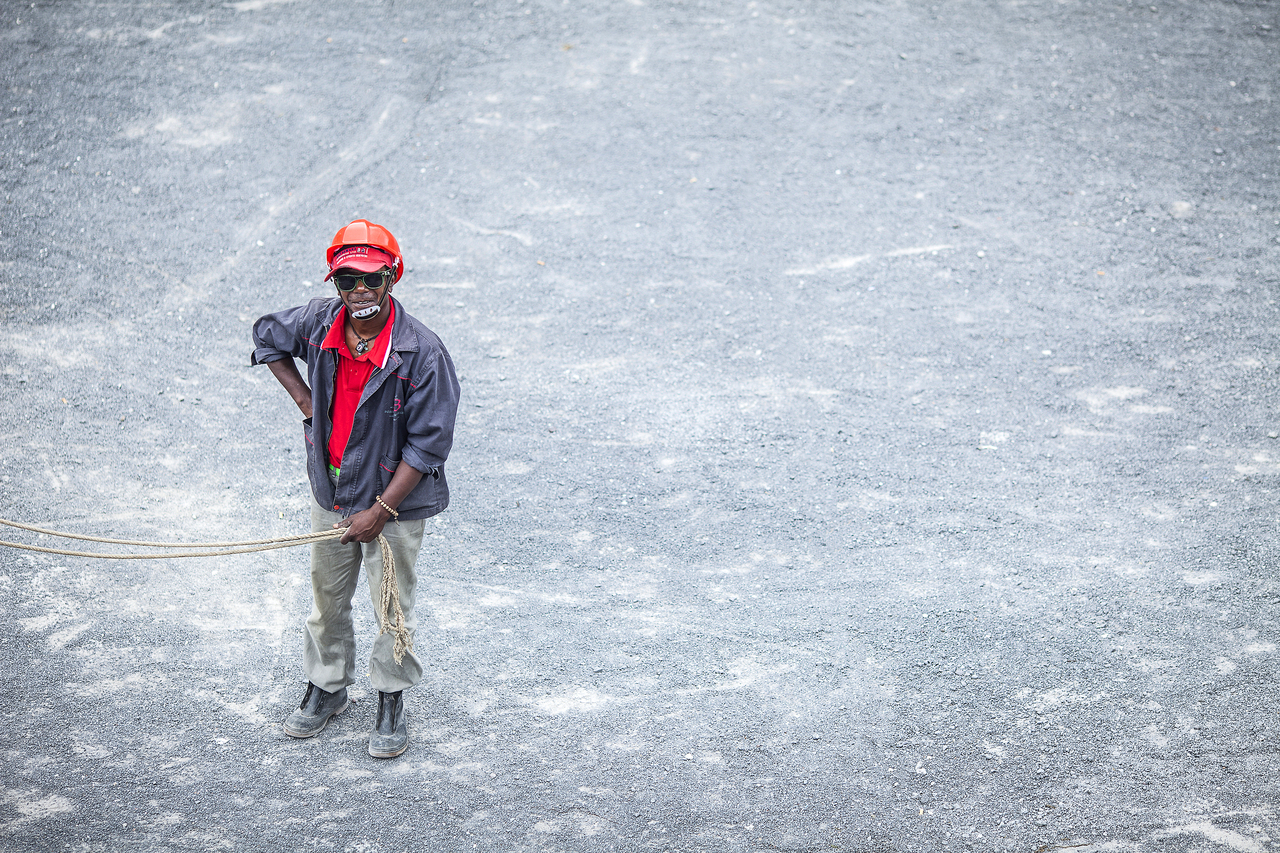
x=395, y=410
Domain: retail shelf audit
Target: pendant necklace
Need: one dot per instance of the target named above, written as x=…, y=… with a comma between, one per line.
x=362, y=345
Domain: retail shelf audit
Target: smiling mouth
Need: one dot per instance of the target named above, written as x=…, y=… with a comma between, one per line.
x=364, y=310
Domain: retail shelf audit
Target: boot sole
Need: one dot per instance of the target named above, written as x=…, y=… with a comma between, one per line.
x=399, y=751
x=300, y=736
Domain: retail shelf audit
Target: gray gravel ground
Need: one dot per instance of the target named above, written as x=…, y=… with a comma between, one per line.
x=868, y=438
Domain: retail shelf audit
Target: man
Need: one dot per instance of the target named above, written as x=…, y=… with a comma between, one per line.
x=379, y=403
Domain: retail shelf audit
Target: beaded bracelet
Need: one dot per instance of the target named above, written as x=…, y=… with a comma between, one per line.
x=394, y=514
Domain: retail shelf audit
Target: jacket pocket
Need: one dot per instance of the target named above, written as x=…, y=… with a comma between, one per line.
x=386, y=470
x=308, y=434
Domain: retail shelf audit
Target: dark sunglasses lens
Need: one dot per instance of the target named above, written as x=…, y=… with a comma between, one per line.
x=347, y=283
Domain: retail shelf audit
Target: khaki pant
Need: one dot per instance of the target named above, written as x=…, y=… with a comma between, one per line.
x=329, y=652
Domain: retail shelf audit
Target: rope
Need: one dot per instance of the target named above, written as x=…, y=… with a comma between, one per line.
x=223, y=548
x=390, y=615
x=289, y=540
x=389, y=604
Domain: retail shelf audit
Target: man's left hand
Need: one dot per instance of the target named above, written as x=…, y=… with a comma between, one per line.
x=364, y=526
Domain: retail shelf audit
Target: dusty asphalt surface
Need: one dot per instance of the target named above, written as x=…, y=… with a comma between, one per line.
x=868, y=438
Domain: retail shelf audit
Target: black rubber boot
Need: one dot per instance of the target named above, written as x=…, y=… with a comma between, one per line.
x=390, y=735
x=314, y=712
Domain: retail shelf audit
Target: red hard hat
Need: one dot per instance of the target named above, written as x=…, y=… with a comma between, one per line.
x=362, y=232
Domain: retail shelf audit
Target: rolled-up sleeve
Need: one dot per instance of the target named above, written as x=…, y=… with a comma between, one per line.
x=285, y=333
x=431, y=410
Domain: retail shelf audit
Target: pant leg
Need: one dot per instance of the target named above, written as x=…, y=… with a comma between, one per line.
x=405, y=539
x=329, y=647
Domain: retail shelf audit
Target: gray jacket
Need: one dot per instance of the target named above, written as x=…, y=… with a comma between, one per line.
x=406, y=413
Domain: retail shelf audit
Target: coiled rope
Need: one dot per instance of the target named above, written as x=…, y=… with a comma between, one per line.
x=390, y=615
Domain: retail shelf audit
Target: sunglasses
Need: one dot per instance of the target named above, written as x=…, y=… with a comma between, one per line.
x=371, y=281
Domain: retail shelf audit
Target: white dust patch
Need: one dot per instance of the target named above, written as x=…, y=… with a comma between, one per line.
x=256, y=5
x=833, y=264
x=344, y=769
x=83, y=744
x=163, y=820
x=747, y=672
x=781, y=394
x=452, y=617
x=1080, y=432
x=744, y=673
x=1155, y=737
x=1160, y=512
x=522, y=238
x=837, y=264
x=1265, y=463
x=199, y=130
x=461, y=611
x=32, y=805
x=65, y=349
x=241, y=615
x=639, y=60
x=1098, y=399
x=599, y=368
x=1216, y=834
x=59, y=639
x=584, y=824
x=989, y=440
x=103, y=687
x=158, y=32
x=572, y=208
x=39, y=623
x=1148, y=665
x=1056, y=697
x=583, y=699
x=249, y=710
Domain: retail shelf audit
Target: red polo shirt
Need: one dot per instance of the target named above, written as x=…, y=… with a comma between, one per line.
x=353, y=372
